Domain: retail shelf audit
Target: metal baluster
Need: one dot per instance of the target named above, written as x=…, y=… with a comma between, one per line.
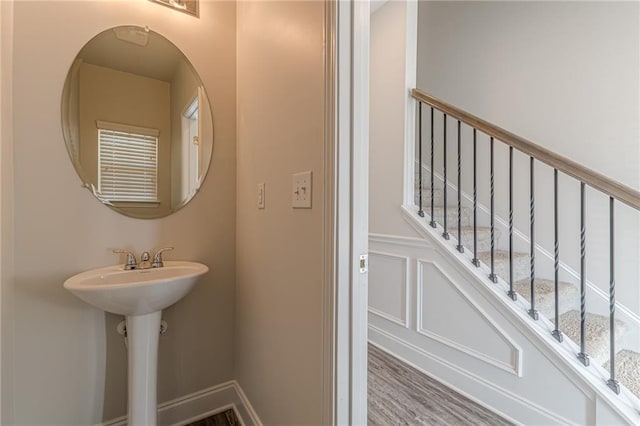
x=460, y=247
x=583, y=356
x=475, y=260
x=556, y=258
x=492, y=275
x=612, y=382
x=420, y=211
x=532, y=205
x=445, y=234
x=433, y=219
x=511, y=293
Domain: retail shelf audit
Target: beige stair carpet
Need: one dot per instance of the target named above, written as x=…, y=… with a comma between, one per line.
x=545, y=295
x=521, y=266
x=597, y=327
x=483, y=236
x=452, y=216
x=597, y=332
x=627, y=370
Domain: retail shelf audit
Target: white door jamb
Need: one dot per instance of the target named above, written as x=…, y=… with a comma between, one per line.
x=346, y=226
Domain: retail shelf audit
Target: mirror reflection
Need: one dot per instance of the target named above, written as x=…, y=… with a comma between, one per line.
x=137, y=122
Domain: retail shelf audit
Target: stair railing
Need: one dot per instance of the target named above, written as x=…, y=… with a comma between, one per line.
x=614, y=190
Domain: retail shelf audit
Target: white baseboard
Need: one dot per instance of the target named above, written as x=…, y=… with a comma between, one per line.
x=204, y=403
x=247, y=405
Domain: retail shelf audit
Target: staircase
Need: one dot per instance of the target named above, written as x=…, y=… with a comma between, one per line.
x=562, y=303
x=597, y=337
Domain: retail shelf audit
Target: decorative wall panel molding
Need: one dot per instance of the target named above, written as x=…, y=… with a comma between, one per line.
x=389, y=280
x=466, y=332
x=438, y=296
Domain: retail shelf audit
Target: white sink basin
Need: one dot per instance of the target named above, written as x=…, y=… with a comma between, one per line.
x=140, y=295
x=136, y=292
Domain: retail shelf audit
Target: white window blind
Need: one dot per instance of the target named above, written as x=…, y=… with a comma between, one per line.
x=128, y=163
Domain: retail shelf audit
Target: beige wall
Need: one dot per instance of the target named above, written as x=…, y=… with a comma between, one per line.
x=279, y=249
x=387, y=109
x=6, y=212
x=563, y=74
x=70, y=365
x=127, y=99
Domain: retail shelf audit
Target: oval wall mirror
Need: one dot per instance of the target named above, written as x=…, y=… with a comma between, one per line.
x=137, y=122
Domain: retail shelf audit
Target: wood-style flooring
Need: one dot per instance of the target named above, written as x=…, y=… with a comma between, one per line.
x=401, y=395
x=226, y=418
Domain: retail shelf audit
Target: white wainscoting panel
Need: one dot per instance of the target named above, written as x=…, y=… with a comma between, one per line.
x=389, y=286
x=432, y=308
x=446, y=313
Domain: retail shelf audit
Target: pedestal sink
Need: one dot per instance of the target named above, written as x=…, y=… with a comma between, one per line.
x=140, y=295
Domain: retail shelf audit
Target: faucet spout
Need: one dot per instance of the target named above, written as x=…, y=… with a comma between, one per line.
x=144, y=261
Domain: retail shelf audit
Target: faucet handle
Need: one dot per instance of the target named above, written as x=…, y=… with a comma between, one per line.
x=157, y=258
x=131, y=259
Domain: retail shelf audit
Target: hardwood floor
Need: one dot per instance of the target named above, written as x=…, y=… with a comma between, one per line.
x=226, y=418
x=401, y=395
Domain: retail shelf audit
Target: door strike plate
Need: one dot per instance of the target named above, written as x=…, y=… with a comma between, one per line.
x=364, y=263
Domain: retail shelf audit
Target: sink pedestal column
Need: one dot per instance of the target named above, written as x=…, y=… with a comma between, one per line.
x=143, y=332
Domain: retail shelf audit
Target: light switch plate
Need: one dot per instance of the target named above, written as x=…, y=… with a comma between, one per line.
x=261, y=195
x=301, y=192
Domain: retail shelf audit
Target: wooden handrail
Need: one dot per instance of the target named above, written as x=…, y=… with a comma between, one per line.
x=610, y=187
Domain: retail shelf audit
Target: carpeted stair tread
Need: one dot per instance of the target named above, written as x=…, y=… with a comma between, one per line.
x=568, y=295
x=521, y=267
x=426, y=196
x=597, y=332
x=597, y=326
x=627, y=370
x=452, y=216
x=484, y=237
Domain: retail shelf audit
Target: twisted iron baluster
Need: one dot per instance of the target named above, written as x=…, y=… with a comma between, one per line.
x=475, y=260
x=612, y=382
x=492, y=276
x=433, y=220
x=583, y=356
x=460, y=246
x=445, y=234
x=532, y=205
x=556, y=257
x=511, y=293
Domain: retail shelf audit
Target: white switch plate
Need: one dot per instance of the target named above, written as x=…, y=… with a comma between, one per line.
x=301, y=192
x=261, y=195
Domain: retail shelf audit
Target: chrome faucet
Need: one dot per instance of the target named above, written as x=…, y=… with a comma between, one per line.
x=157, y=258
x=144, y=259
x=131, y=259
